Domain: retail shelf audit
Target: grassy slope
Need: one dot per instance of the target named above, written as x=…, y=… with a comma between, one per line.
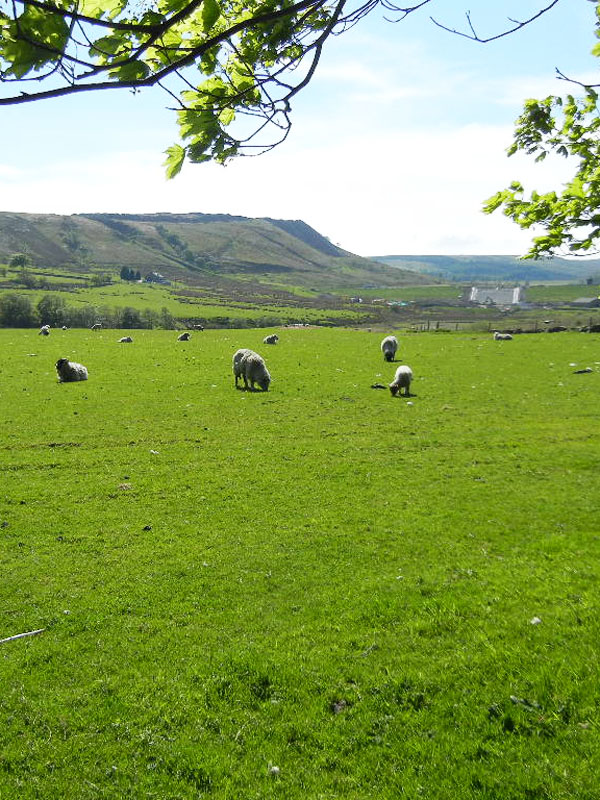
x=220, y=573
x=184, y=247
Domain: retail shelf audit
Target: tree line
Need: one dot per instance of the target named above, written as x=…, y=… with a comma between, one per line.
x=18, y=311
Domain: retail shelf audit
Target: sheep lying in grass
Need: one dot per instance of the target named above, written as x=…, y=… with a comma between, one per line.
x=44, y=330
x=184, y=337
x=388, y=347
x=69, y=371
x=501, y=337
x=271, y=339
x=250, y=366
x=402, y=380
x=124, y=339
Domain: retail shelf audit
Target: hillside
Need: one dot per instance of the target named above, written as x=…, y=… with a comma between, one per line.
x=198, y=249
x=504, y=268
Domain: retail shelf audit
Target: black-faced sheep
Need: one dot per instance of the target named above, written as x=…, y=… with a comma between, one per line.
x=402, y=380
x=271, y=339
x=251, y=367
x=44, y=330
x=70, y=371
x=96, y=326
x=184, y=337
x=502, y=337
x=124, y=339
x=388, y=347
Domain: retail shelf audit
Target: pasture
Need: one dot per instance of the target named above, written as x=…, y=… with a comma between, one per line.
x=316, y=592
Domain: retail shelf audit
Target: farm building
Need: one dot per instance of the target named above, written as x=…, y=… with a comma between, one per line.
x=511, y=296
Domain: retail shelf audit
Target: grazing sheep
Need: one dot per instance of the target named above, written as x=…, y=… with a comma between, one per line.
x=500, y=337
x=64, y=328
x=184, y=337
x=402, y=380
x=271, y=339
x=96, y=326
x=252, y=368
x=237, y=363
x=69, y=371
x=124, y=339
x=44, y=330
x=198, y=327
x=388, y=347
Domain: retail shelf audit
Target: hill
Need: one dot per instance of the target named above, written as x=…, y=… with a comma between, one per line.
x=197, y=249
x=505, y=268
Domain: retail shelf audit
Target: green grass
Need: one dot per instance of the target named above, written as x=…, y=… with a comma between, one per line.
x=561, y=292
x=321, y=577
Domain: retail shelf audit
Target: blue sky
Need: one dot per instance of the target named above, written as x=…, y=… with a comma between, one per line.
x=395, y=144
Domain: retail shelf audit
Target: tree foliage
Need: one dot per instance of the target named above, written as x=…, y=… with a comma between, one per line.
x=231, y=68
x=568, y=127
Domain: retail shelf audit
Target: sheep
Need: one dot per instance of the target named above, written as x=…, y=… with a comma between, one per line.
x=271, y=339
x=500, y=337
x=198, y=327
x=388, y=347
x=252, y=368
x=184, y=337
x=237, y=363
x=124, y=339
x=44, y=330
x=69, y=371
x=402, y=380
x=96, y=326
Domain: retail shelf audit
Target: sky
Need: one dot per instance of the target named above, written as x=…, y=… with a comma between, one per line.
x=395, y=144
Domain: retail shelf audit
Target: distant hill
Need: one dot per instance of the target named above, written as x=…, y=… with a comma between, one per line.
x=197, y=249
x=501, y=268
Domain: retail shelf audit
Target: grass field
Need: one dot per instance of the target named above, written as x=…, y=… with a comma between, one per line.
x=316, y=592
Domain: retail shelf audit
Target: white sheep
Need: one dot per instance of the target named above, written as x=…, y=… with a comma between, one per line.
x=96, y=326
x=402, y=380
x=271, y=339
x=499, y=337
x=44, y=330
x=251, y=367
x=124, y=339
x=184, y=337
x=69, y=371
x=388, y=347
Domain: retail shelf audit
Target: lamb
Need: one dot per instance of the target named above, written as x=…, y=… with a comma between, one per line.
x=184, y=337
x=44, y=330
x=402, y=380
x=124, y=339
x=501, y=336
x=271, y=339
x=388, y=347
x=70, y=371
x=252, y=368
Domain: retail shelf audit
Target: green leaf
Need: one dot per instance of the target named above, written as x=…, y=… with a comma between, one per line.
x=175, y=158
x=134, y=71
x=211, y=11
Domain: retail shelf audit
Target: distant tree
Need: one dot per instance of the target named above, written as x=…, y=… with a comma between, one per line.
x=125, y=274
x=52, y=310
x=129, y=318
x=101, y=279
x=166, y=319
x=17, y=311
x=20, y=261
